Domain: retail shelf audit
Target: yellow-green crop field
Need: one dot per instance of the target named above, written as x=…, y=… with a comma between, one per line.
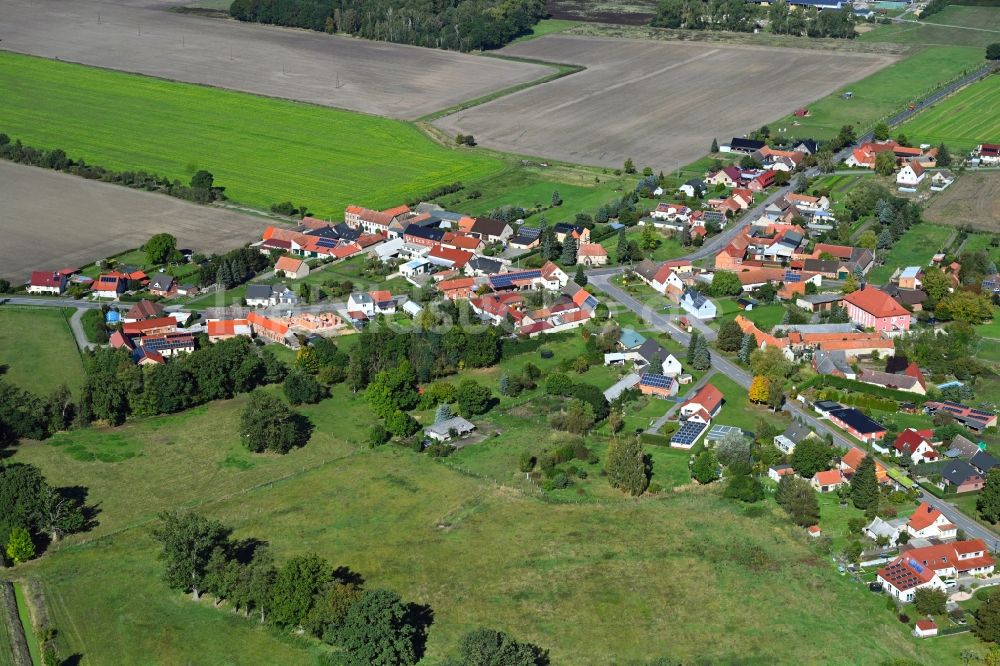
x=964, y=120
x=261, y=150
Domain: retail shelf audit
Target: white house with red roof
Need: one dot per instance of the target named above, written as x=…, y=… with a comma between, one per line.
x=911, y=174
x=109, y=285
x=827, y=481
x=703, y=405
x=929, y=523
x=291, y=267
x=873, y=308
x=925, y=628
x=45, y=282
x=959, y=558
x=917, y=445
x=902, y=577
x=591, y=254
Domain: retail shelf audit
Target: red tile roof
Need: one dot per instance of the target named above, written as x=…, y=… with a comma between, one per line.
x=225, y=326
x=288, y=264
x=46, y=279
x=140, y=327
x=905, y=574
x=830, y=477
x=458, y=258
x=267, y=323
x=946, y=556
x=708, y=397
x=912, y=438
x=923, y=517
x=875, y=302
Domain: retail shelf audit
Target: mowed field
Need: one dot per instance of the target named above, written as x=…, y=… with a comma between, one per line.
x=954, y=25
x=261, y=150
x=973, y=200
x=658, y=103
x=963, y=121
x=143, y=36
x=51, y=220
x=595, y=582
x=884, y=93
x=37, y=349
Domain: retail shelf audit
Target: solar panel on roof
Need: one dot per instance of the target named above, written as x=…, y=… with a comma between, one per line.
x=326, y=242
x=591, y=302
x=655, y=380
x=792, y=277
x=982, y=413
x=688, y=433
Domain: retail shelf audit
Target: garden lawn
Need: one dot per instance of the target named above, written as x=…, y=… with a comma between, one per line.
x=38, y=349
x=915, y=248
x=667, y=248
x=261, y=150
x=737, y=410
x=963, y=121
x=983, y=241
x=766, y=316
x=884, y=93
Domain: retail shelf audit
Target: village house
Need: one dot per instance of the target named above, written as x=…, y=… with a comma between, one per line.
x=775, y=473
x=902, y=577
x=941, y=180
x=163, y=285
x=961, y=477
x=44, y=282
x=697, y=304
x=291, y=268
x=591, y=254
x=828, y=481
x=851, y=460
x=925, y=628
x=224, y=329
x=974, y=419
x=703, y=405
x=987, y=154
x=166, y=344
x=929, y=523
x=795, y=433
x=266, y=295
x=154, y=326
x=109, y=285
x=911, y=175
x=872, y=308
x=896, y=382
x=857, y=424
x=914, y=444
x=448, y=429
x=269, y=328
x=885, y=529
x=490, y=230
x=657, y=385
x=950, y=560
x=143, y=310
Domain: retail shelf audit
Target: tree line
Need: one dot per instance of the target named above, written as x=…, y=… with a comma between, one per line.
x=306, y=594
x=742, y=16
x=115, y=388
x=458, y=25
x=200, y=189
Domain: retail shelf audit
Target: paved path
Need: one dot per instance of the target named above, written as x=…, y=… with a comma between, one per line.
x=76, y=325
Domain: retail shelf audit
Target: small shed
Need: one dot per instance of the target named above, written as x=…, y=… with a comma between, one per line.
x=925, y=628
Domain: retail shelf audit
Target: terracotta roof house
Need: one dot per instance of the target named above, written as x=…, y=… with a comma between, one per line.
x=925, y=628
x=902, y=577
x=851, y=460
x=448, y=258
x=223, y=329
x=109, y=285
x=974, y=419
x=591, y=254
x=872, y=308
x=928, y=522
x=150, y=326
x=268, y=328
x=291, y=268
x=828, y=481
x=953, y=559
x=45, y=282
x=915, y=444
x=703, y=405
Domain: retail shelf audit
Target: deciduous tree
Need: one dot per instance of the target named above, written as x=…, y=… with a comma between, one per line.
x=188, y=541
x=988, y=502
x=488, y=647
x=758, y=389
x=379, y=629
x=268, y=424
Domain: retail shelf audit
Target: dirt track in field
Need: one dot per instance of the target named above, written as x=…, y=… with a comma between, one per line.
x=50, y=220
x=973, y=200
x=658, y=103
x=142, y=36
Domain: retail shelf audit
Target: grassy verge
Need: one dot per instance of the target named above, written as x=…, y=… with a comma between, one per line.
x=38, y=350
x=29, y=631
x=953, y=26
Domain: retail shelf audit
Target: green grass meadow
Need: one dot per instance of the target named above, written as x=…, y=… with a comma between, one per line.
x=915, y=248
x=261, y=150
x=884, y=92
x=963, y=121
x=951, y=27
x=38, y=349
x=596, y=582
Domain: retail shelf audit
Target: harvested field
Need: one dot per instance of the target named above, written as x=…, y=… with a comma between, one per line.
x=972, y=200
x=53, y=219
x=631, y=12
x=142, y=36
x=658, y=103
